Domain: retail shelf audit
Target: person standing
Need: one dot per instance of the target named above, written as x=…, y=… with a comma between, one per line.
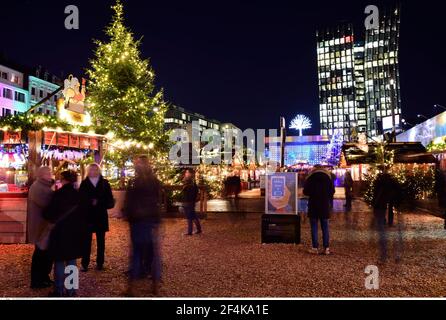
x=96, y=198
x=141, y=209
x=39, y=197
x=320, y=190
x=348, y=188
x=190, y=193
x=67, y=237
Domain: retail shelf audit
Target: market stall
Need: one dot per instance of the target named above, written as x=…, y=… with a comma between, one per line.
x=30, y=140
x=363, y=160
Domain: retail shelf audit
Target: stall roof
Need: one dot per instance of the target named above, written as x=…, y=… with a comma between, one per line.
x=405, y=152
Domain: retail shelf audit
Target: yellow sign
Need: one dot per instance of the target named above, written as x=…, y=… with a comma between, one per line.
x=71, y=107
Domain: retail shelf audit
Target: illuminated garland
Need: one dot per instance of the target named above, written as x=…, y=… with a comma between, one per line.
x=35, y=122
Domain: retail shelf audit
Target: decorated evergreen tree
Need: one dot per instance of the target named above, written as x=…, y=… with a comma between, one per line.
x=121, y=91
x=123, y=100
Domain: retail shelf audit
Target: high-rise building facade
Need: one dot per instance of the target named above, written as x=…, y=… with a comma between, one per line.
x=359, y=85
x=336, y=79
x=382, y=77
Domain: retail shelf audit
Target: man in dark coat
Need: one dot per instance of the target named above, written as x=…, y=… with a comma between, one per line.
x=190, y=194
x=141, y=209
x=96, y=198
x=69, y=234
x=320, y=189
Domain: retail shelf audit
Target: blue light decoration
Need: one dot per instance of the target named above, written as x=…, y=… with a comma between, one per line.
x=309, y=150
x=334, y=149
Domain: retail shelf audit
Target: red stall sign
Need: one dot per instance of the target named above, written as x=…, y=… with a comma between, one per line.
x=74, y=141
x=49, y=138
x=84, y=143
x=12, y=137
x=94, y=144
x=62, y=139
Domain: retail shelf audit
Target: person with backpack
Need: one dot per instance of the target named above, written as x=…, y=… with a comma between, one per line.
x=190, y=193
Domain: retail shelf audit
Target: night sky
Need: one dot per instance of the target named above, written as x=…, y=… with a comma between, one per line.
x=246, y=62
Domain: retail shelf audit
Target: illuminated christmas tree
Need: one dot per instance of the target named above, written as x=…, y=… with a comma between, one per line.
x=123, y=100
x=121, y=91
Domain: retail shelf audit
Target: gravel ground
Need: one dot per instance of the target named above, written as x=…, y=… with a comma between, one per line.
x=229, y=261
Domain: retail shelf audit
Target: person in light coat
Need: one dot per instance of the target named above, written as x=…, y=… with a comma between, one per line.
x=39, y=197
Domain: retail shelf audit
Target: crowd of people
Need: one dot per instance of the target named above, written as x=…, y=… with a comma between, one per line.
x=63, y=218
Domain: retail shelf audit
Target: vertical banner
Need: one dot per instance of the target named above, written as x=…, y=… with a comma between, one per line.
x=281, y=193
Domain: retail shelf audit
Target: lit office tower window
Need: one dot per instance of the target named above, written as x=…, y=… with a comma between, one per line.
x=336, y=80
x=382, y=77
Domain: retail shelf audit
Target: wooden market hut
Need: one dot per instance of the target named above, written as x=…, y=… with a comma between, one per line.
x=359, y=157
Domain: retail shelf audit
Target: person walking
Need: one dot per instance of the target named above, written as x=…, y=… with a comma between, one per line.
x=190, y=193
x=386, y=194
x=141, y=209
x=96, y=198
x=348, y=188
x=39, y=197
x=68, y=235
x=320, y=189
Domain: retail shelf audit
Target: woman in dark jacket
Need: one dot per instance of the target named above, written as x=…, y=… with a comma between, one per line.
x=67, y=238
x=320, y=189
x=96, y=198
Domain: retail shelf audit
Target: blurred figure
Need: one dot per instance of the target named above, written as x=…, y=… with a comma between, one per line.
x=348, y=188
x=386, y=195
x=190, y=194
x=440, y=190
x=39, y=197
x=333, y=181
x=141, y=209
x=96, y=198
x=68, y=236
x=320, y=189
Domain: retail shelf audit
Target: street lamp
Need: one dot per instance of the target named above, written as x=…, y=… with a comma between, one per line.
x=406, y=123
x=422, y=116
x=439, y=106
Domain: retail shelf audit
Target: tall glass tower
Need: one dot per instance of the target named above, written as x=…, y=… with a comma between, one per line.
x=359, y=83
x=382, y=76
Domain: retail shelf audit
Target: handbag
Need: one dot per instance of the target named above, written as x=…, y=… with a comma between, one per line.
x=44, y=239
x=110, y=204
